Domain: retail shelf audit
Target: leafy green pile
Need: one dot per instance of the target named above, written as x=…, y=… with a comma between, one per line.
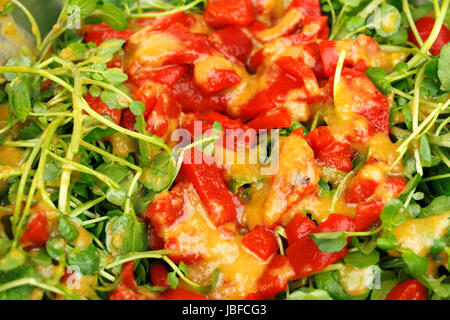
x=71, y=169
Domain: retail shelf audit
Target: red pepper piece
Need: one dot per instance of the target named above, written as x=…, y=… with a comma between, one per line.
x=257, y=59
x=155, y=242
x=274, y=279
x=424, y=26
x=361, y=190
x=128, y=120
x=310, y=7
x=163, y=212
x=100, y=32
x=221, y=203
x=279, y=118
x=167, y=75
x=158, y=275
x=100, y=107
x=299, y=227
x=312, y=28
x=235, y=42
x=181, y=294
x=410, y=289
x=368, y=213
x=128, y=289
x=36, y=233
x=330, y=56
x=262, y=242
x=228, y=13
x=192, y=99
x=218, y=80
x=299, y=70
x=328, y=151
x=304, y=255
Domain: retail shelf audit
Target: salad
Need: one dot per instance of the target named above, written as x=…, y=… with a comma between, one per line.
x=227, y=149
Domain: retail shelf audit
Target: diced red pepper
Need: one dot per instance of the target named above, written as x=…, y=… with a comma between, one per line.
x=222, y=205
x=304, y=255
x=100, y=32
x=361, y=190
x=257, y=59
x=298, y=227
x=128, y=289
x=261, y=242
x=424, y=26
x=330, y=56
x=410, y=289
x=312, y=28
x=274, y=278
x=299, y=70
x=368, y=213
x=273, y=119
x=128, y=120
x=235, y=42
x=36, y=232
x=192, y=99
x=100, y=107
x=228, y=13
x=158, y=275
x=181, y=294
x=163, y=212
x=167, y=75
x=218, y=80
x=328, y=151
x=155, y=242
x=310, y=8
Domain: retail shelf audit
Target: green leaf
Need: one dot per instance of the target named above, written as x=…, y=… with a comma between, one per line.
x=19, y=293
x=113, y=16
x=360, y=260
x=329, y=281
x=173, y=279
x=8, y=8
x=159, y=174
x=438, y=205
x=86, y=261
x=97, y=134
x=444, y=67
x=387, y=242
x=67, y=230
x=86, y=6
x=19, y=99
x=106, y=50
x=12, y=260
x=137, y=108
x=441, y=289
x=388, y=20
x=385, y=287
x=211, y=285
x=425, y=151
x=112, y=100
x=77, y=50
x=16, y=61
x=52, y=171
x=393, y=214
x=29, y=132
x=55, y=248
x=315, y=294
x=330, y=241
x=115, y=76
x=379, y=79
x=114, y=171
x=125, y=234
x=354, y=23
x=416, y=265
x=431, y=69
x=116, y=196
x=438, y=246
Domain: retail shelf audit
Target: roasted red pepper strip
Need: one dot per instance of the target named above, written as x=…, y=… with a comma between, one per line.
x=128, y=289
x=222, y=205
x=273, y=119
x=235, y=41
x=424, y=26
x=218, y=80
x=36, y=232
x=299, y=70
x=310, y=7
x=410, y=289
x=274, y=278
x=228, y=13
x=98, y=33
x=261, y=242
x=366, y=214
x=181, y=294
x=328, y=151
x=100, y=107
x=299, y=227
x=304, y=255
